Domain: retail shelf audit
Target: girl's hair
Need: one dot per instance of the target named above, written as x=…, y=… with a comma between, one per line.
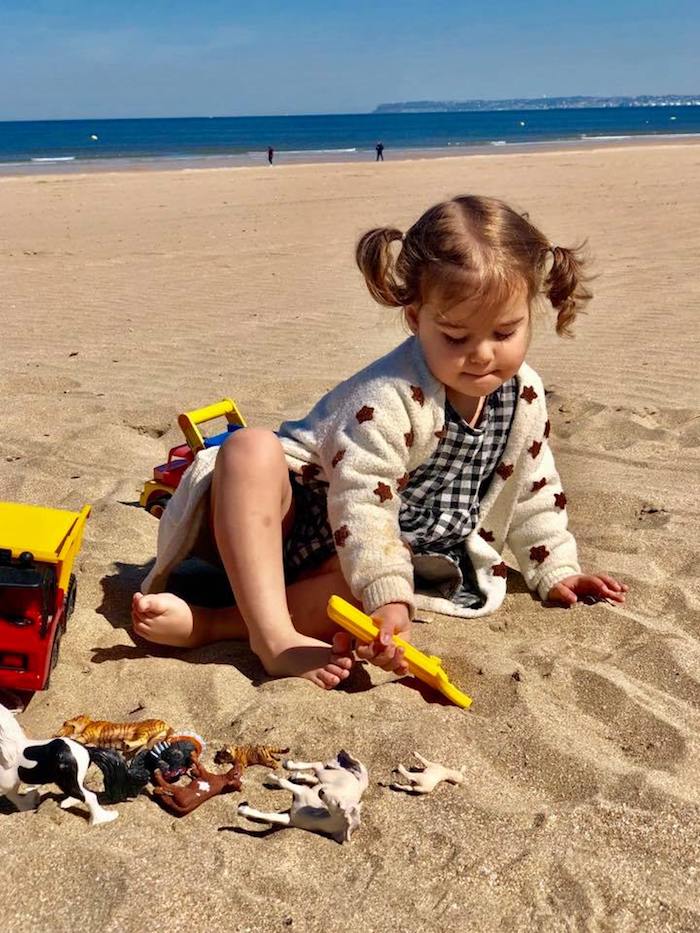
x=473, y=248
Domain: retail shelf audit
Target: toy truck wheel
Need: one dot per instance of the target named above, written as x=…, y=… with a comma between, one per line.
x=156, y=506
x=68, y=608
x=55, y=650
x=56, y=647
x=70, y=599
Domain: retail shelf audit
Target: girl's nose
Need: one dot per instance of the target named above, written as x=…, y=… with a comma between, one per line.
x=480, y=354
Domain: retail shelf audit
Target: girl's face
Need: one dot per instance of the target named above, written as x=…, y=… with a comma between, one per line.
x=470, y=350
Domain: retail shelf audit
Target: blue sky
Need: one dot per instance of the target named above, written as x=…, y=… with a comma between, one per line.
x=121, y=58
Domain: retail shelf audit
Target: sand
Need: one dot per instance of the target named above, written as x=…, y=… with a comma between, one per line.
x=129, y=297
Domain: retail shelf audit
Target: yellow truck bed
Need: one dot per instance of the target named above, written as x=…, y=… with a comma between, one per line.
x=52, y=535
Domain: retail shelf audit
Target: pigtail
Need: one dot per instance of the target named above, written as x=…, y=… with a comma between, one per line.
x=565, y=286
x=377, y=263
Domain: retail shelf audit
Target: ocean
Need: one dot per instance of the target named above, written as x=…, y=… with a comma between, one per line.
x=65, y=144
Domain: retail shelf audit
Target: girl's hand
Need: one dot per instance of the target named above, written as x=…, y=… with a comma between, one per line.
x=391, y=619
x=570, y=589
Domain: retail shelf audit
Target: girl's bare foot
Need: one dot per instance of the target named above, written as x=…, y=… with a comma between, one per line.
x=310, y=658
x=165, y=619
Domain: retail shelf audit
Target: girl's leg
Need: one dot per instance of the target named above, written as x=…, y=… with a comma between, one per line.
x=251, y=500
x=166, y=619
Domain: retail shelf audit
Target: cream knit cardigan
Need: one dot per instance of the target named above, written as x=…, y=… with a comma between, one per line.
x=364, y=438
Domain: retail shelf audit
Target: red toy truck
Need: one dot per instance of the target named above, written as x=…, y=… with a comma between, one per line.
x=37, y=589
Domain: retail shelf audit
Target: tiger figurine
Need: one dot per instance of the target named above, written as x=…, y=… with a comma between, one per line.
x=126, y=737
x=247, y=755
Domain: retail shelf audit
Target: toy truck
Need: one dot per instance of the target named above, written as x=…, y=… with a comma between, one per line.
x=38, y=547
x=157, y=491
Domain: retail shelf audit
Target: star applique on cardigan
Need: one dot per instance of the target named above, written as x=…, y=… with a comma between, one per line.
x=539, y=553
x=341, y=535
x=504, y=470
x=383, y=492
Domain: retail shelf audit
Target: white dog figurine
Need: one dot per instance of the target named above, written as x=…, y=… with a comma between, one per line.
x=427, y=779
x=44, y=761
x=327, y=800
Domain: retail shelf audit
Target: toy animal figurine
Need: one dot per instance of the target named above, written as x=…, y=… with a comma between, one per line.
x=327, y=801
x=174, y=756
x=34, y=762
x=123, y=780
x=182, y=800
x=248, y=755
x=124, y=736
x=428, y=777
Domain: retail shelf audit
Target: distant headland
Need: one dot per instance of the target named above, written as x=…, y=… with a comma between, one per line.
x=541, y=103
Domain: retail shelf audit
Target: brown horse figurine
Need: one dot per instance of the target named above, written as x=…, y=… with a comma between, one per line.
x=181, y=799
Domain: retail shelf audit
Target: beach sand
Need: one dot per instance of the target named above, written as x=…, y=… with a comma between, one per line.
x=130, y=297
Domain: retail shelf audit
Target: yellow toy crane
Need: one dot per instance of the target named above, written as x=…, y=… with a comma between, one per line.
x=425, y=667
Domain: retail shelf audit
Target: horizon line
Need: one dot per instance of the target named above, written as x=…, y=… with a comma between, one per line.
x=349, y=113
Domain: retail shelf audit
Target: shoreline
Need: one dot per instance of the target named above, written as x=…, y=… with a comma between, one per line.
x=284, y=159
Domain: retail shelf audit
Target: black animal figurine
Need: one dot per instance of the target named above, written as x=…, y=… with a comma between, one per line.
x=123, y=780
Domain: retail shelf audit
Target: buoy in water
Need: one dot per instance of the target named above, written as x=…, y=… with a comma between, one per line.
x=92, y=136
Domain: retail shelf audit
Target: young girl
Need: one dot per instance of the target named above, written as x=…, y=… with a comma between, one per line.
x=401, y=487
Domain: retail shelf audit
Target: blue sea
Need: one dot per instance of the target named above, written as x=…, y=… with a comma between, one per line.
x=244, y=140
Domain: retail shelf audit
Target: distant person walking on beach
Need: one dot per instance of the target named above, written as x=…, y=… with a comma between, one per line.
x=270, y=154
x=379, y=149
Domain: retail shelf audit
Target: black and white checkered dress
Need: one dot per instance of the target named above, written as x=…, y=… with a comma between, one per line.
x=439, y=504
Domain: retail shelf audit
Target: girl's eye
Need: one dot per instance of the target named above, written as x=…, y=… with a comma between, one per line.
x=455, y=341
x=504, y=336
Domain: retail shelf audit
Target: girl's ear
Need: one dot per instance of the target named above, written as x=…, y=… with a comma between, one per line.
x=411, y=312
